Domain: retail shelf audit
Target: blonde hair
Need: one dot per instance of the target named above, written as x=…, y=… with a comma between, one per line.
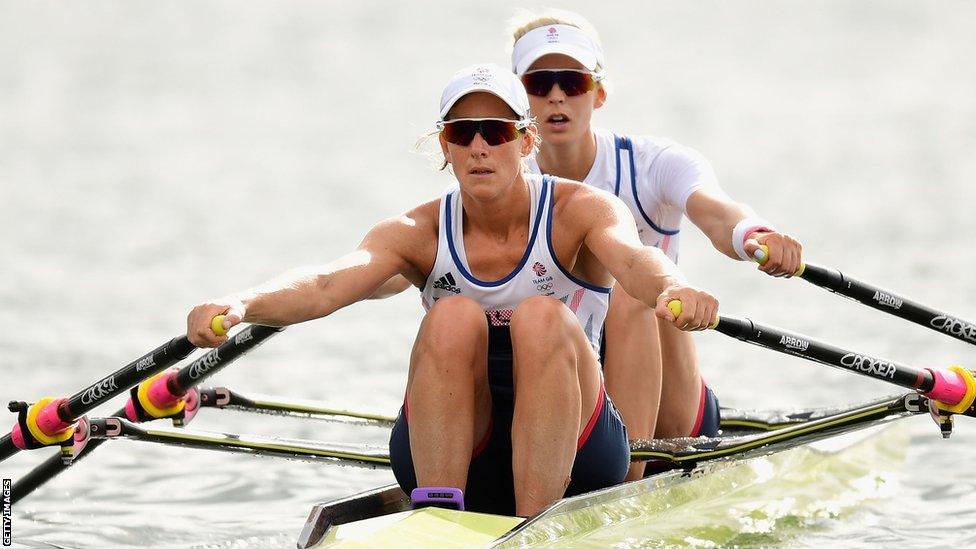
x=525, y=20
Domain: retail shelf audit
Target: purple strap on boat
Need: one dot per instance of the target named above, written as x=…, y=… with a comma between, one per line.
x=440, y=496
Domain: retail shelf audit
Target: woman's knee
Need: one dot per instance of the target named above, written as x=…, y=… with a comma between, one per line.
x=453, y=322
x=538, y=313
x=545, y=327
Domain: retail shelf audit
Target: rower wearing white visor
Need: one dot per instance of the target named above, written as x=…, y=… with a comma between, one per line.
x=505, y=409
x=651, y=368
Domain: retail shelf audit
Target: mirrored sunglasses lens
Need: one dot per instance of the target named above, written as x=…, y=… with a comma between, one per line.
x=570, y=82
x=461, y=132
x=575, y=83
x=539, y=83
x=494, y=132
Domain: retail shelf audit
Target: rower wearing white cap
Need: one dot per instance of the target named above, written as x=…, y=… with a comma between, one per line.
x=504, y=409
x=559, y=58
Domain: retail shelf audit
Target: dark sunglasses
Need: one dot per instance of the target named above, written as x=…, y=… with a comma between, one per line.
x=571, y=81
x=494, y=131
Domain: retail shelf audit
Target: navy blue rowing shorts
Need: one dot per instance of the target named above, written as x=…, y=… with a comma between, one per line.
x=708, y=422
x=602, y=455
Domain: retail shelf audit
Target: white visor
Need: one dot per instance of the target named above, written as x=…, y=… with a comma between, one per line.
x=487, y=77
x=564, y=39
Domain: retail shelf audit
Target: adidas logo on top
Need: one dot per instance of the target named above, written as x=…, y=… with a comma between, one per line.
x=447, y=283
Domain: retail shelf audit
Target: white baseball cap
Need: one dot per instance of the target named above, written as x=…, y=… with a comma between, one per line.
x=486, y=77
x=564, y=39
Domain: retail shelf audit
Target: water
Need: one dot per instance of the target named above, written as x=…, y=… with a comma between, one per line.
x=154, y=155
x=763, y=501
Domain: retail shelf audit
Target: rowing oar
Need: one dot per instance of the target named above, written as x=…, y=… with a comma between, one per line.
x=883, y=300
x=953, y=390
x=169, y=394
x=49, y=421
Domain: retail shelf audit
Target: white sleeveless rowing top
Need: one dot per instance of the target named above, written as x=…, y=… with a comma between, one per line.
x=538, y=273
x=654, y=177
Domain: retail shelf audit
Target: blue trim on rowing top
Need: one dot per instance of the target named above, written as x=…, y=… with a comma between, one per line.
x=616, y=158
x=525, y=257
x=552, y=252
x=626, y=144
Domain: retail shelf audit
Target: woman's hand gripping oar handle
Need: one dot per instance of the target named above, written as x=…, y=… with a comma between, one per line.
x=762, y=256
x=217, y=325
x=675, y=307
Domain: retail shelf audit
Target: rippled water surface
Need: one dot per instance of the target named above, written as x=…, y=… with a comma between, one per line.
x=156, y=154
x=777, y=499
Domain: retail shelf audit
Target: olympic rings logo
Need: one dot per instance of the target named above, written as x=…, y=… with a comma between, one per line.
x=544, y=287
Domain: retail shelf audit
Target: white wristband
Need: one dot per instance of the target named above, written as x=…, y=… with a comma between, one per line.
x=743, y=230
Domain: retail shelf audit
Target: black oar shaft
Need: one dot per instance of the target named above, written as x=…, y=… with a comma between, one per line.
x=50, y=468
x=811, y=349
x=209, y=364
x=7, y=447
x=891, y=303
x=112, y=385
x=187, y=377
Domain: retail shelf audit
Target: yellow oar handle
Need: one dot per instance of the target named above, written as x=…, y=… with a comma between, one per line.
x=762, y=256
x=675, y=307
x=217, y=325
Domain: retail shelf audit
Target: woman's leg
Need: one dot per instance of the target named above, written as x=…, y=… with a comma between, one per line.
x=448, y=403
x=632, y=366
x=557, y=377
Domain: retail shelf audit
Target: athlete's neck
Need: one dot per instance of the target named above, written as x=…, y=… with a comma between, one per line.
x=568, y=160
x=499, y=215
